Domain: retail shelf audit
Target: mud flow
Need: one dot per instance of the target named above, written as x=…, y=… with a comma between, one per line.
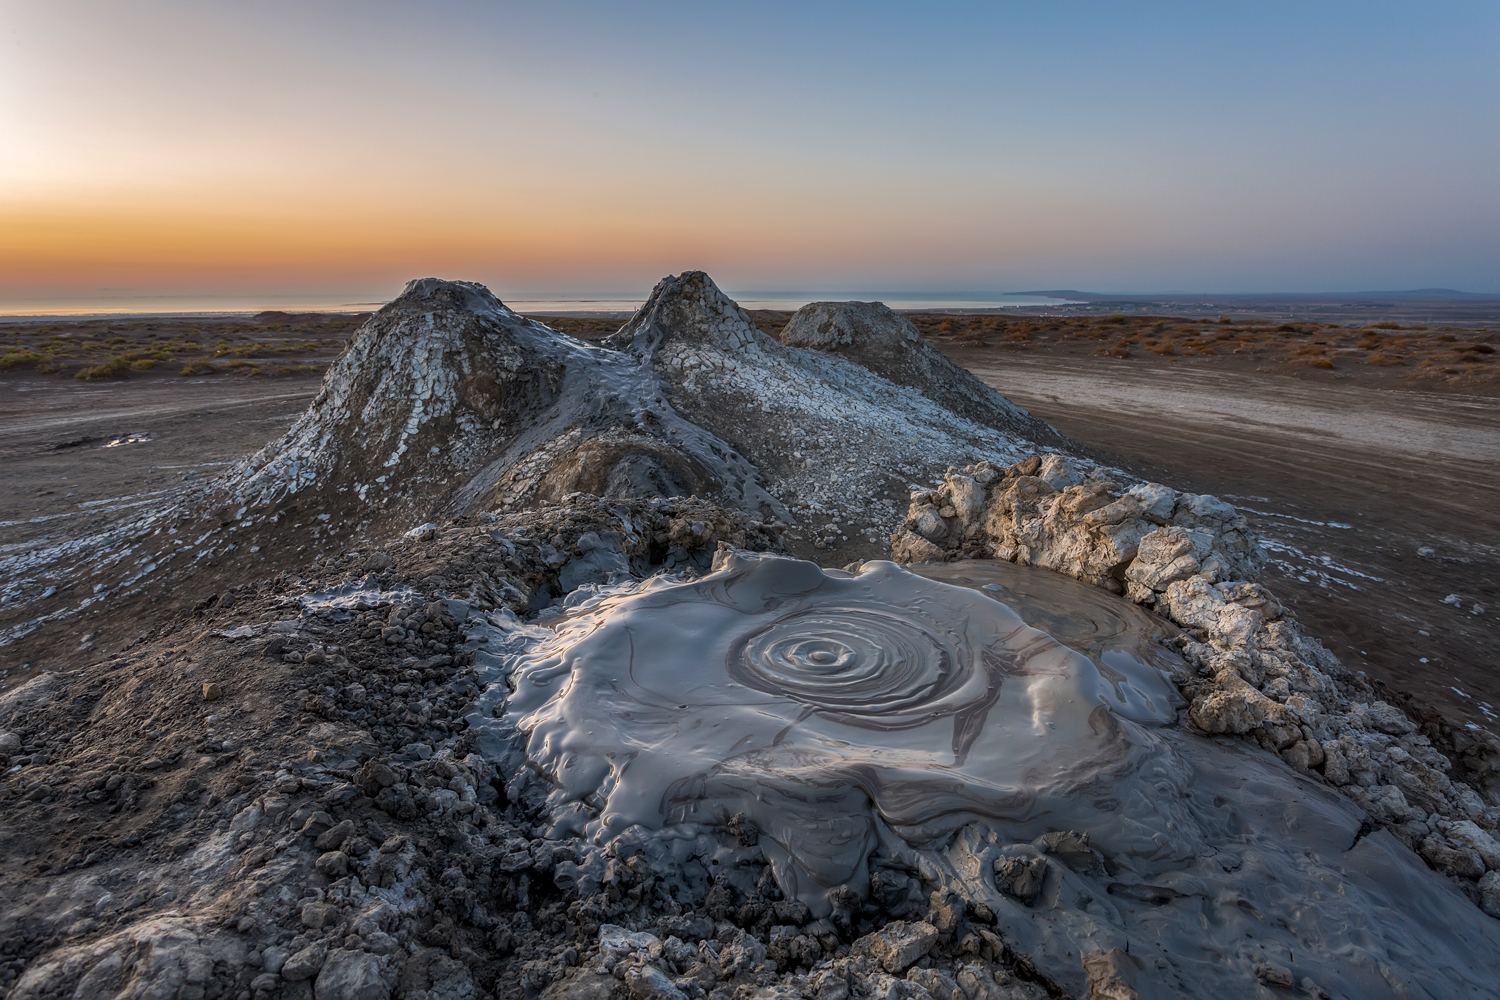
x=952, y=720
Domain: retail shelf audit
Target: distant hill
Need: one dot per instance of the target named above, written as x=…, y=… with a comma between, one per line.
x=1418, y=294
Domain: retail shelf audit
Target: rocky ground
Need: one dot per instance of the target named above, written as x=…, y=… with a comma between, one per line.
x=237, y=739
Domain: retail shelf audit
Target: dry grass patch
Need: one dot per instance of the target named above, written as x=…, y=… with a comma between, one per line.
x=117, y=367
x=20, y=359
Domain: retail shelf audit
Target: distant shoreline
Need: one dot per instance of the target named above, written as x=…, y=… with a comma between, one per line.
x=555, y=306
x=1355, y=308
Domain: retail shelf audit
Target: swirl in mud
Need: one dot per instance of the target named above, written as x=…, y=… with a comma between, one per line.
x=872, y=666
x=828, y=710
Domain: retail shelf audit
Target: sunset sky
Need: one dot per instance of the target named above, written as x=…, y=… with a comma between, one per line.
x=319, y=149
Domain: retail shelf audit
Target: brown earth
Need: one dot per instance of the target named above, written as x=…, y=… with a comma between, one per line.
x=1384, y=353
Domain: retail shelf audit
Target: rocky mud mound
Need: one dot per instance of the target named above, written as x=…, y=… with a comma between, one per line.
x=445, y=402
x=885, y=342
x=495, y=677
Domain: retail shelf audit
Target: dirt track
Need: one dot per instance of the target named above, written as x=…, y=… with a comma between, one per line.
x=1351, y=486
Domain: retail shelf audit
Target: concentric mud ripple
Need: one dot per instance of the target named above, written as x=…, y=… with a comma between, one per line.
x=869, y=665
x=829, y=709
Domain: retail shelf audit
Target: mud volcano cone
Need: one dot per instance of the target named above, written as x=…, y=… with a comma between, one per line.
x=433, y=386
x=872, y=335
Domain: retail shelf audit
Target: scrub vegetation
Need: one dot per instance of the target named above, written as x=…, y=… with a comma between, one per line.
x=269, y=344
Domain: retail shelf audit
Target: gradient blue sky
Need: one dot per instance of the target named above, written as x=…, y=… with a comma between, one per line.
x=338, y=148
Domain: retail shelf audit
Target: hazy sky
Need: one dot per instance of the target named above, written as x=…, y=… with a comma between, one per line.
x=321, y=148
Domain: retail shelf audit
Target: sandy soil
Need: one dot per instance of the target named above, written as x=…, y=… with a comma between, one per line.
x=1378, y=503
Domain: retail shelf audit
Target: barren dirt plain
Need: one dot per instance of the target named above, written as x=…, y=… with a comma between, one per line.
x=1366, y=454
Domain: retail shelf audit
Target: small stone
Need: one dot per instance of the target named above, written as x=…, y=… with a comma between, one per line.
x=1072, y=849
x=1452, y=858
x=647, y=982
x=351, y=975
x=1467, y=834
x=304, y=964
x=273, y=959
x=616, y=942
x=316, y=824
x=317, y=915
x=1021, y=878
x=899, y=944
x=1111, y=975
x=212, y=691
x=335, y=835
x=334, y=864
x=375, y=775
x=1489, y=894
x=1274, y=975
x=929, y=524
x=939, y=985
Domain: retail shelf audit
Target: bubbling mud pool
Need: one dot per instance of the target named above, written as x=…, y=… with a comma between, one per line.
x=953, y=724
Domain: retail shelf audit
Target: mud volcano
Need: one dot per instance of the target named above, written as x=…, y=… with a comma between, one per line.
x=838, y=724
x=495, y=676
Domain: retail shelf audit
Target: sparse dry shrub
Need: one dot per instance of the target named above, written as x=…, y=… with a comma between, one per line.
x=117, y=367
x=20, y=358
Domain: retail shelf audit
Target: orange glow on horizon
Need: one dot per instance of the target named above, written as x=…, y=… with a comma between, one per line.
x=339, y=149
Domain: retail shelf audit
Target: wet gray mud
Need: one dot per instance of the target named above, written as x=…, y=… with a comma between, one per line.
x=1009, y=733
